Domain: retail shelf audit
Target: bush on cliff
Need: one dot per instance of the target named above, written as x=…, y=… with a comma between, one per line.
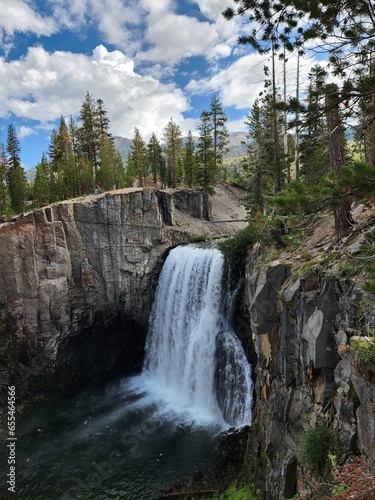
x=315, y=447
x=235, y=249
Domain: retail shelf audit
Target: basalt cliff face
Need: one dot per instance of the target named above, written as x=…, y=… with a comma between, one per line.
x=77, y=280
x=305, y=371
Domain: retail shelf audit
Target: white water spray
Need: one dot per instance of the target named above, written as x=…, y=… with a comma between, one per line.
x=191, y=353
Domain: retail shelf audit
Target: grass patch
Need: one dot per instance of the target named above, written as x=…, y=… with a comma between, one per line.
x=272, y=254
x=247, y=492
x=316, y=446
x=365, y=350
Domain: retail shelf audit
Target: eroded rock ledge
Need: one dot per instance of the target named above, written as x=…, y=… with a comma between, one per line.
x=77, y=280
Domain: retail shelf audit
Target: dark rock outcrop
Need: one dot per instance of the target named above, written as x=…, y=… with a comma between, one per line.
x=305, y=371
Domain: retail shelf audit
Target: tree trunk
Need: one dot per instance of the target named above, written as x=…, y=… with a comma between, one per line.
x=276, y=125
x=296, y=143
x=342, y=215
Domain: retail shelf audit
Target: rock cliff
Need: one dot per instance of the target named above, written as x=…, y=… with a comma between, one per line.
x=77, y=279
x=306, y=372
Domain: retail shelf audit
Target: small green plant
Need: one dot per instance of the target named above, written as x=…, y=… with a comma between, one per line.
x=339, y=488
x=365, y=349
x=304, y=270
x=315, y=447
x=248, y=492
x=200, y=237
x=332, y=271
x=306, y=256
x=347, y=268
x=369, y=286
x=273, y=254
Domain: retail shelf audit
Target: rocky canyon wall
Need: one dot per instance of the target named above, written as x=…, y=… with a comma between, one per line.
x=305, y=370
x=77, y=280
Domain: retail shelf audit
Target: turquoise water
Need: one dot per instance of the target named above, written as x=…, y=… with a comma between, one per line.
x=110, y=439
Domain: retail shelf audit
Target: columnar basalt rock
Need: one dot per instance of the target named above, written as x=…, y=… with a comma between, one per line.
x=77, y=281
x=303, y=374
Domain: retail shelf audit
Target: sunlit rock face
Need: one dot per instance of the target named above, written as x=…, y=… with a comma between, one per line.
x=77, y=281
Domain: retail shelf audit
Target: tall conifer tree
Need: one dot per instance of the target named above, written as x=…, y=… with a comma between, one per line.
x=42, y=183
x=220, y=136
x=139, y=157
x=206, y=175
x=190, y=165
x=4, y=193
x=155, y=156
x=173, y=143
x=16, y=173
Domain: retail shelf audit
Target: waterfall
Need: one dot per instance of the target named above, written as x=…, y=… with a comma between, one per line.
x=192, y=354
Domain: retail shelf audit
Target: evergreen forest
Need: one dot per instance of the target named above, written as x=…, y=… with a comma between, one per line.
x=307, y=151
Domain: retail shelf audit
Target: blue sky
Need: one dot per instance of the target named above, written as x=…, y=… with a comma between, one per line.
x=148, y=60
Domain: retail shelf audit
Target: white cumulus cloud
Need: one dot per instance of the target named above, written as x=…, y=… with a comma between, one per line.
x=240, y=83
x=18, y=16
x=43, y=86
x=25, y=131
x=190, y=37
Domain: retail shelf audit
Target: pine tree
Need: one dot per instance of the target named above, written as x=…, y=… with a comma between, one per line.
x=190, y=166
x=16, y=174
x=64, y=175
x=86, y=176
x=173, y=143
x=103, y=121
x=220, y=137
x=154, y=155
x=4, y=192
x=163, y=172
x=111, y=170
x=130, y=171
x=139, y=157
x=104, y=177
x=89, y=133
x=73, y=134
x=118, y=171
x=67, y=163
x=337, y=155
x=365, y=128
x=205, y=154
x=255, y=164
x=42, y=183
x=314, y=137
x=56, y=182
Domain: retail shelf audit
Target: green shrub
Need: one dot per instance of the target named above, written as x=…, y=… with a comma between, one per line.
x=369, y=286
x=365, y=349
x=316, y=444
x=200, y=237
x=348, y=268
x=235, y=249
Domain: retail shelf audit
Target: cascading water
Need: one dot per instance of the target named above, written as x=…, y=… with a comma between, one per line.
x=136, y=434
x=192, y=354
